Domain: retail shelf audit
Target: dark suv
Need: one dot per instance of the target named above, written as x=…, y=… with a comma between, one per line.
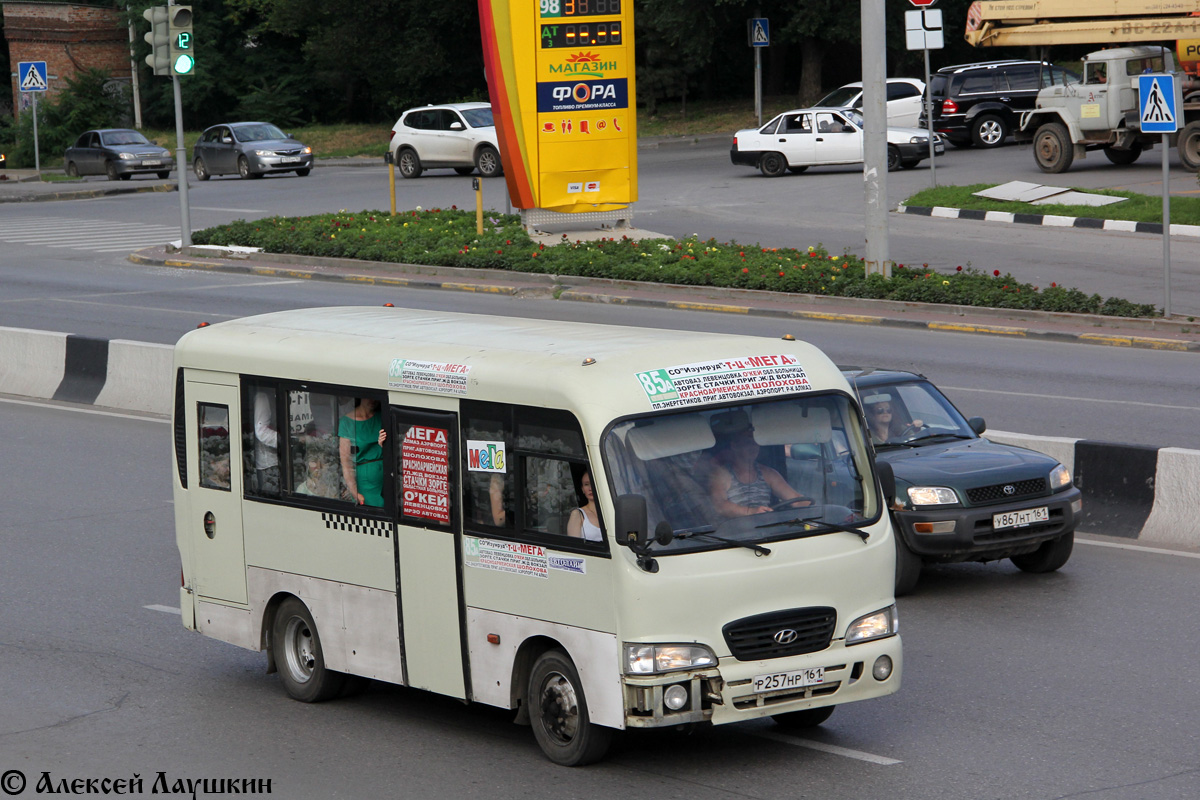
x=960, y=497
x=980, y=104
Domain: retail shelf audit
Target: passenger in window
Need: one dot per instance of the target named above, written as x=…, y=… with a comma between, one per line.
x=219, y=476
x=739, y=485
x=360, y=442
x=316, y=482
x=584, y=522
x=266, y=444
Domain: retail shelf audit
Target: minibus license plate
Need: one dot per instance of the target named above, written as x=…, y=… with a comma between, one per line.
x=789, y=680
x=1019, y=519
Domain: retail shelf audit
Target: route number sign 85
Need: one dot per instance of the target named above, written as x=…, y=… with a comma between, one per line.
x=656, y=382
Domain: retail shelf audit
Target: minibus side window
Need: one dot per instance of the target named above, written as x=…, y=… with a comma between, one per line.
x=426, y=475
x=260, y=440
x=488, y=479
x=213, y=439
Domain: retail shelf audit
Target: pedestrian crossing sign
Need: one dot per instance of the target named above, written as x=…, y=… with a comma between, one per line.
x=758, y=31
x=31, y=76
x=1158, y=103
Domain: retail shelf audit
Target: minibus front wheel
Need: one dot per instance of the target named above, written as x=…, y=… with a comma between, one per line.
x=559, y=715
x=296, y=646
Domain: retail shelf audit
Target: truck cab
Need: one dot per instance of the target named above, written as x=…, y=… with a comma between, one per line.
x=1101, y=112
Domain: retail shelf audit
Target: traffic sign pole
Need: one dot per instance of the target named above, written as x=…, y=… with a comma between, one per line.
x=929, y=121
x=37, y=162
x=1166, y=223
x=1160, y=104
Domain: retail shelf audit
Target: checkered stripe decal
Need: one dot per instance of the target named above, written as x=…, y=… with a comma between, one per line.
x=371, y=527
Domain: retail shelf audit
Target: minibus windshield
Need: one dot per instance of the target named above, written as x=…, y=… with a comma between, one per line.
x=742, y=475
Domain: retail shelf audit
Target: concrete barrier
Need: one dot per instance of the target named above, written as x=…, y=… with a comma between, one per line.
x=1132, y=491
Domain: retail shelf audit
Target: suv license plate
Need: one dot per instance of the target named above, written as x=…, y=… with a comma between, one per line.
x=1020, y=519
x=789, y=680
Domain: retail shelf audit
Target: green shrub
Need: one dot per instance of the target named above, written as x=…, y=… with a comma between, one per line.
x=447, y=237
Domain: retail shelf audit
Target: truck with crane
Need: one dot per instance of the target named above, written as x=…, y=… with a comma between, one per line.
x=1102, y=112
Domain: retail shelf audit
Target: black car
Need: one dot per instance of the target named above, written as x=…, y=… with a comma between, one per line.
x=960, y=497
x=119, y=153
x=981, y=104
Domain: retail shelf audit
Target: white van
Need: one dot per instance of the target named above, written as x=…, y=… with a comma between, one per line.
x=399, y=495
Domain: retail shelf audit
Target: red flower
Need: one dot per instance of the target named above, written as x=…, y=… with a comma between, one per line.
x=1053, y=285
x=996, y=273
x=781, y=274
x=958, y=269
x=499, y=252
x=745, y=269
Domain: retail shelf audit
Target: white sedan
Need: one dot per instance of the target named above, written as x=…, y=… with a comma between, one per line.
x=809, y=137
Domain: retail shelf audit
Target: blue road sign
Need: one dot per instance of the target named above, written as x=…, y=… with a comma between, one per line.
x=760, y=32
x=1156, y=99
x=31, y=76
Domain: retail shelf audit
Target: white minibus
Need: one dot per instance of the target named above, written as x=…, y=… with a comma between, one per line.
x=598, y=527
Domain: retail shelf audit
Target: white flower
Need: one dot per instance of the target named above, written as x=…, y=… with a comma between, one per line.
x=663, y=247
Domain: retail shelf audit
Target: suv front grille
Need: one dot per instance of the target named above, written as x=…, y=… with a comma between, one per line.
x=754, y=638
x=996, y=494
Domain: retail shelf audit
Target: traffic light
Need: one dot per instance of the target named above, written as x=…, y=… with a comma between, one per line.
x=159, y=39
x=180, y=28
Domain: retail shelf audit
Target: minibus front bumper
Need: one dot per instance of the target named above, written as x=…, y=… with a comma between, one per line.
x=727, y=694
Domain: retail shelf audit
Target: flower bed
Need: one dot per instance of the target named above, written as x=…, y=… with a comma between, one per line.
x=447, y=237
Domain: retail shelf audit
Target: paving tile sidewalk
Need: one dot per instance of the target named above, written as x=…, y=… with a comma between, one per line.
x=1176, y=334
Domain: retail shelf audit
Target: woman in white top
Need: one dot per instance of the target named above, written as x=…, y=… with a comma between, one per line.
x=584, y=522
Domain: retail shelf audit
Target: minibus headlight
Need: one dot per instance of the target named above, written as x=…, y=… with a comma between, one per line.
x=651, y=659
x=1060, y=476
x=931, y=496
x=878, y=625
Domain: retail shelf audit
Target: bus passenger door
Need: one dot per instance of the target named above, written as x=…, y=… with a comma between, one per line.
x=214, y=474
x=429, y=590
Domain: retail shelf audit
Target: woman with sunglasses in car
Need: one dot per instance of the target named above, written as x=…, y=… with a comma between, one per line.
x=883, y=420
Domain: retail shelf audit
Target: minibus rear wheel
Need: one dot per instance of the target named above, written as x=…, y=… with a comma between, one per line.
x=559, y=715
x=296, y=646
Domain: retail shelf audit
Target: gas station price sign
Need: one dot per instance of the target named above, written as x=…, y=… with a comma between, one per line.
x=592, y=34
x=561, y=81
x=580, y=8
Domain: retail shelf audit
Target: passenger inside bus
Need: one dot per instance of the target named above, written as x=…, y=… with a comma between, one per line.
x=317, y=479
x=360, y=442
x=740, y=486
x=584, y=522
x=266, y=445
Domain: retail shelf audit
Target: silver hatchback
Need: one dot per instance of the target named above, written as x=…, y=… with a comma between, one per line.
x=249, y=149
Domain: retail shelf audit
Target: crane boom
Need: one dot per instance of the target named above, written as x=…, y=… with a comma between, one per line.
x=1000, y=23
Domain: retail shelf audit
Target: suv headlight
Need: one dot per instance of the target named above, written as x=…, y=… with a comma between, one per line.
x=878, y=625
x=651, y=659
x=1060, y=476
x=931, y=496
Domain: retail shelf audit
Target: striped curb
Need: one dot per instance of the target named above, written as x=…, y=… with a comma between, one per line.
x=1047, y=220
x=614, y=297
x=37, y=196
x=1133, y=492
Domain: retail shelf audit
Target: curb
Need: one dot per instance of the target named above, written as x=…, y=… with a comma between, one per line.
x=1047, y=220
x=1131, y=492
x=601, y=290
x=83, y=194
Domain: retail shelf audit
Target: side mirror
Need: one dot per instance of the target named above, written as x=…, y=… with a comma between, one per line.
x=291, y=136
x=456, y=126
x=887, y=481
x=631, y=521
x=978, y=425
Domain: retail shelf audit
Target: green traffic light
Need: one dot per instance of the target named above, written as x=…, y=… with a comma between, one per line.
x=183, y=64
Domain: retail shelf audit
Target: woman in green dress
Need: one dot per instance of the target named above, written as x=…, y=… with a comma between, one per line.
x=360, y=439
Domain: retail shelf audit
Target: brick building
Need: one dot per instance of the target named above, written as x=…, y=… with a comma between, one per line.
x=69, y=37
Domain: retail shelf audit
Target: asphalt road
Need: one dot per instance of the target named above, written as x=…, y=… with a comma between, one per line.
x=63, y=267
x=1074, y=684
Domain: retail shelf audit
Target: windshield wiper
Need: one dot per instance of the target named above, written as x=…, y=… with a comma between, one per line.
x=927, y=437
x=758, y=549
x=820, y=525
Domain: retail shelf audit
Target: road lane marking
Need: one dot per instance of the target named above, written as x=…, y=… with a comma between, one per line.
x=1072, y=399
x=1141, y=548
x=828, y=748
x=239, y=210
x=164, y=609
x=54, y=404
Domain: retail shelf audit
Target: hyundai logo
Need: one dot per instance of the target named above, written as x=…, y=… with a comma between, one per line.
x=1010, y=489
x=786, y=636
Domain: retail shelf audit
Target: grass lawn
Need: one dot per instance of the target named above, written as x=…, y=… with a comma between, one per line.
x=1137, y=208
